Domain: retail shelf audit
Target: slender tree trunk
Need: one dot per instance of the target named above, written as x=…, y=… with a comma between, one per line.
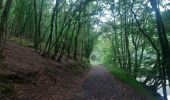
x=1, y=4
x=39, y=23
x=35, y=21
x=76, y=37
x=49, y=40
x=127, y=40
x=4, y=18
x=163, y=39
x=70, y=44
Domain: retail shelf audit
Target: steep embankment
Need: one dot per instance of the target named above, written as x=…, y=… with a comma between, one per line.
x=25, y=75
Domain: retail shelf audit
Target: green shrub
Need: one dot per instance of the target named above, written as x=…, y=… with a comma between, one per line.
x=22, y=42
x=123, y=76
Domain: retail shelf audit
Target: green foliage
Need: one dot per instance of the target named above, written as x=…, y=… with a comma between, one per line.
x=56, y=28
x=124, y=76
x=104, y=51
x=22, y=42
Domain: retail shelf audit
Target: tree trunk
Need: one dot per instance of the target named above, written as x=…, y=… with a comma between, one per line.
x=1, y=4
x=35, y=23
x=4, y=18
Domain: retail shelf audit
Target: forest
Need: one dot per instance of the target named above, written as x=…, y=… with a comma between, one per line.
x=129, y=36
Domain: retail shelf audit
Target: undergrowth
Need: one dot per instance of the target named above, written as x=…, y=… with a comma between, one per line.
x=124, y=77
x=22, y=42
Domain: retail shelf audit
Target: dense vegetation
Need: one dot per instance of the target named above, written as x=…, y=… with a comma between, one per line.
x=133, y=36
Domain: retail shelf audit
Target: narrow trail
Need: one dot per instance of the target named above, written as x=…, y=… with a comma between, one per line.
x=99, y=84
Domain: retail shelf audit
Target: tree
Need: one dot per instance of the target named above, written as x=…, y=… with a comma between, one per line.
x=3, y=23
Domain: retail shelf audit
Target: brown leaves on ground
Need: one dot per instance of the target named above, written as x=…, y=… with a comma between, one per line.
x=35, y=78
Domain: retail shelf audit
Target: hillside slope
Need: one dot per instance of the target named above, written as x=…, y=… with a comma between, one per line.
x=25, y=75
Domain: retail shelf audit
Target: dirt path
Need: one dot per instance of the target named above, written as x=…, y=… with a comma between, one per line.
x=99, y=84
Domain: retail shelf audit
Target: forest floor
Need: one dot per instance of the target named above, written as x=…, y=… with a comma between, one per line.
x=25, y=75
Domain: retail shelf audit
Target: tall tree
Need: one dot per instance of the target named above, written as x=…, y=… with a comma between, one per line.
x=3, y=23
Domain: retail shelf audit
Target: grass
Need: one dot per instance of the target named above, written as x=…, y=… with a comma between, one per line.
x=22, y=42
x=123, y=76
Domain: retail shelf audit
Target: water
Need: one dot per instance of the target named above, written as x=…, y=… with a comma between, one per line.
x=141, y=79
x=168, y=92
